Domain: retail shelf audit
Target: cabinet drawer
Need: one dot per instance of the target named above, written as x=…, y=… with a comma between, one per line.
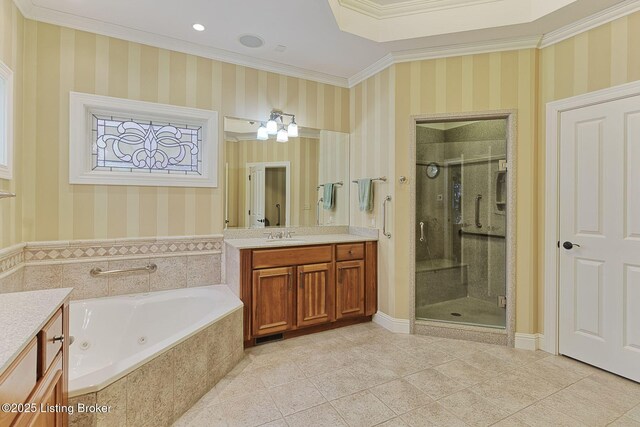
x=265, y=258
x=347, y=252
x=17, y=382
x=50, y=348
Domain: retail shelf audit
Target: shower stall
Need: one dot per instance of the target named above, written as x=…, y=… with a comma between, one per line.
x=461, y=222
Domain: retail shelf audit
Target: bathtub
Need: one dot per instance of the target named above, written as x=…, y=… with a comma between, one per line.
x=114, y=336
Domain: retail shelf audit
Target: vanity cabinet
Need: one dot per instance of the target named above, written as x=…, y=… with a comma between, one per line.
x=350, y=290
x=315, y=294
x=37, y=376
x=272, y=305
x=298, y=290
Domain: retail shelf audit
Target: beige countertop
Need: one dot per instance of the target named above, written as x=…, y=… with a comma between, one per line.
x=22, y=316
x=303, y=240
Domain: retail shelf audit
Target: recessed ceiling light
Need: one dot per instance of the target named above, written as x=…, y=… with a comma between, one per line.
x=249, y=40
x=198, y=27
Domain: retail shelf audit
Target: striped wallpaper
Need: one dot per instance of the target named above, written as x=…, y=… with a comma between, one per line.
x=11, y=53
x=372, y=155
x=333, y=166
x=301, y=152
x=59, y=60
x=603, y=57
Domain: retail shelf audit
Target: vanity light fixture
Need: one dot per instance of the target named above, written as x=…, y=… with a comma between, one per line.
x=272, y=127
x=283, y=135
x=263, y=134
x=198, y=27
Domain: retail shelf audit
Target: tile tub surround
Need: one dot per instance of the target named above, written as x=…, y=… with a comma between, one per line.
x=23, y=314
x=364, y=375
x=182, y=262
x=161, y=390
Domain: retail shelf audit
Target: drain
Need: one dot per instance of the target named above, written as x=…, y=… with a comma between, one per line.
x=456, y=314
x=84, y=345
x=142, y=340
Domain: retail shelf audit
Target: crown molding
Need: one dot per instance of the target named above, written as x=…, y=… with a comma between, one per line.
x=408, y=7
x=590, y=22
x=49, y=16
x=443, y=52
x=373, y=69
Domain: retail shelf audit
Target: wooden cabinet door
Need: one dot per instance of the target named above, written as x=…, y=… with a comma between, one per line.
x=52, y=397
x=272, y=301
x=315, y=294
x=350, y=289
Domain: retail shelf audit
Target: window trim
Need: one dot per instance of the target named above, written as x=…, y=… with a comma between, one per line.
x=80, y=142
x=6, y=170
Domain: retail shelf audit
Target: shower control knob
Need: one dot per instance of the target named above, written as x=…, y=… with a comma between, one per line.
x=568, y=245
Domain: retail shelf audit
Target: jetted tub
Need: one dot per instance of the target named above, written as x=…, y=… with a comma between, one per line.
x=114, y=336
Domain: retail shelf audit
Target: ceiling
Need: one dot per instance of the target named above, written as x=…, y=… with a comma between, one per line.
x=315, y=45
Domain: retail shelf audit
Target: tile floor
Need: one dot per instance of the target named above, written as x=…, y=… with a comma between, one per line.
x=364, y=375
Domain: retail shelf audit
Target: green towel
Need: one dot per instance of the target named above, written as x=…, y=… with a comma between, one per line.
x=328, y=197
x=365, y=194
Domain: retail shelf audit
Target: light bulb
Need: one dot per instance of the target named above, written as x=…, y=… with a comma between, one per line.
x=263, y=135
x=272, y=127
x=283, y=136
x=293, y=128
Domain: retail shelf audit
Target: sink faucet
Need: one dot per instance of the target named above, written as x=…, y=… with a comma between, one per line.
x=289, y=233
x=279, y=234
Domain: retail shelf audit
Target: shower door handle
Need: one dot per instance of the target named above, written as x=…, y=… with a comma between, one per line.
x=478, y=223
x=422, y=231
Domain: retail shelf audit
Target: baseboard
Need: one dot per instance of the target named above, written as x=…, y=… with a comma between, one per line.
x=400, y=326
x=529, y=341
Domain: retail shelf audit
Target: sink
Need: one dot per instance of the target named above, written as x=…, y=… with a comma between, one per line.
x=284, y=241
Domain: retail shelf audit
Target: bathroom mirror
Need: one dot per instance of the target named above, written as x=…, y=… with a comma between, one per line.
x=282, y=184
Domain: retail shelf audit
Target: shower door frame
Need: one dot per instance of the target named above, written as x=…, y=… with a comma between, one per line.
x=453, y=330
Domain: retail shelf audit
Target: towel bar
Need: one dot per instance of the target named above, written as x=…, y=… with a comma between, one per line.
x=382, y=178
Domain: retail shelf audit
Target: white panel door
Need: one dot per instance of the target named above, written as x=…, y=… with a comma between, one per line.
x=600, y=236
x=256, y=196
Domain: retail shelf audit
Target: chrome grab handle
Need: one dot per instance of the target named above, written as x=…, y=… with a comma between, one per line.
x=95, y=272
x=384, y=217
x=478, y=223
x=57, y=338
x=422, y=239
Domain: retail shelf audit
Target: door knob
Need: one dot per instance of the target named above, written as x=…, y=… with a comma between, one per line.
x=568, y=245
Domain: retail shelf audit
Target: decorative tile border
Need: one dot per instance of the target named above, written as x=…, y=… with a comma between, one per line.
x=11, y=258
x=84, y=250
x=81, y=250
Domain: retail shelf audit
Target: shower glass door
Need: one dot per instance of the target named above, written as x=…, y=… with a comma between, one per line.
x=461, y=227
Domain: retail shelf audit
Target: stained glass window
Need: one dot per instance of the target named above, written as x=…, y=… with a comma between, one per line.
x=130, y=145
